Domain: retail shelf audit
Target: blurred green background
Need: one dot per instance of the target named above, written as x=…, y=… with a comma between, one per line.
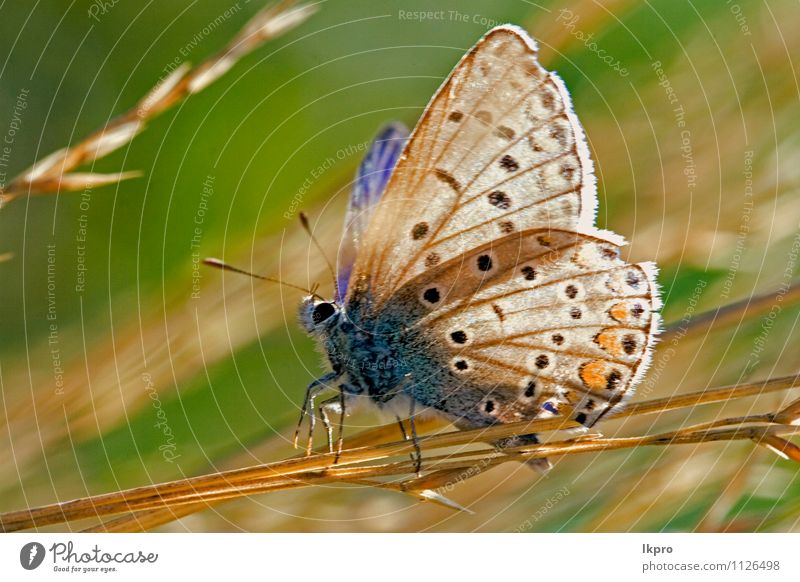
x=696, y=147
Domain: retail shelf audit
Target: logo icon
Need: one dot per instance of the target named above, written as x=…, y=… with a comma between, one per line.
x=31, y=555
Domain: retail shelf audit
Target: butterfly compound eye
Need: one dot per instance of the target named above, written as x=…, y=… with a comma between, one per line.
x=322, y=312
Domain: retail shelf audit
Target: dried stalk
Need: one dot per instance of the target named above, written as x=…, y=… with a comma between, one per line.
x=126, y=364
x=55, y=173
x=732, y=312
x=158, y=504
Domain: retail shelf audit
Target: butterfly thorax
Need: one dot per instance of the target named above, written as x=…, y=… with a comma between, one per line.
x=367, y=354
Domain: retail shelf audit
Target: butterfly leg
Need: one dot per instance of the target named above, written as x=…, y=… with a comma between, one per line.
x=336, y=405
x=539, y=465
x=404, y=433
x=417, y=456
x=402, y=427
x=325, y=410
x=340, y=437
x=308, y=409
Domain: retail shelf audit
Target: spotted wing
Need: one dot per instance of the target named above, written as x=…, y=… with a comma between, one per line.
x=498, y=150
x=531, y=324
x=370, y=183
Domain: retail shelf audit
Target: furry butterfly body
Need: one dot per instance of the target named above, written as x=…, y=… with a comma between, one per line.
x=473, y=282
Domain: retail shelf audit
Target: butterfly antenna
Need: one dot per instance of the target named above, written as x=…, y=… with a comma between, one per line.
x=307, y=228
x=222, y=265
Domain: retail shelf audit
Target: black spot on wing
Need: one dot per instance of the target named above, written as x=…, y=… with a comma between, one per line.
x=484, y=263
x=432, y=295
x=508, y=163
x=432, y=260
x=420, y=230
x=499, y=199
x=528, y=272
x=459, y=337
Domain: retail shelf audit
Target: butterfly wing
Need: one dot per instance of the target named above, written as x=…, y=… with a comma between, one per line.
x=370, y=183
x=498, y=150
x=483, y=262
x=527, y=325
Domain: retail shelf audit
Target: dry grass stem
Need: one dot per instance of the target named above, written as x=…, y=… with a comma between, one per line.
x=54, y=173
x=366, y=465
x=733, y=312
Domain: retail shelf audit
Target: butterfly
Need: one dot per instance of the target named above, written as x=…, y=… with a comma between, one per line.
x=472, y=281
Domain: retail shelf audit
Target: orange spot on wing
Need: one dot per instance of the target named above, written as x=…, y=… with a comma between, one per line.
x=619, y=312
x=609, y=341
x=593, y=374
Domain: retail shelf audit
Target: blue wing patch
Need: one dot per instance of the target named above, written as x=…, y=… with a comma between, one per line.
x=371, y=179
